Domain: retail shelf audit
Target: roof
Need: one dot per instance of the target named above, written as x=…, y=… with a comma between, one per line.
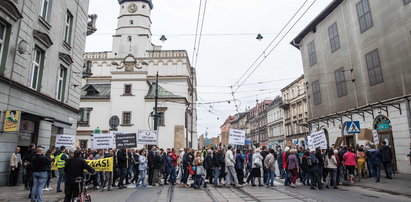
x=292, y=83
x=102, y=91
x=146, y=1
x=317, y=20
x=162, y=93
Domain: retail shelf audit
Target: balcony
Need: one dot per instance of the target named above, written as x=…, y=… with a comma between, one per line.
x=285, y=104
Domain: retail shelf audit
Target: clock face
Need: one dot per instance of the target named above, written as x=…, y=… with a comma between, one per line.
x=132, y=8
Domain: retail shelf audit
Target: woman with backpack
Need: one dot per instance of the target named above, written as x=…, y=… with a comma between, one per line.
x=256, y=167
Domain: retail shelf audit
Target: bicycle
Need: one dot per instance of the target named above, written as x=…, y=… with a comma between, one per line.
x=82, y=196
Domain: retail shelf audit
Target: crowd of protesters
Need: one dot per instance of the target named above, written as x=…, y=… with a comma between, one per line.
x=219, y=166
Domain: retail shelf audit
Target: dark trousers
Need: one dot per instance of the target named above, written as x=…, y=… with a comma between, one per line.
x=240, y=175
x=115, y=176
x=123, y=173
x=209, y=175
x=388, y=169
x=265, y=175
x=150, y=175
x=184, y=179
x=71, y=190
x=14, y=175
x=315, y=178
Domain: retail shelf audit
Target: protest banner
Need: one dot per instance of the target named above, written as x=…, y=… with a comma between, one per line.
x=236, y=137
x=147, y=137
x=375, y=137
x=126, y=140
x=103, y=141
x=102, y=165
x=318, y=139
x=65, y=140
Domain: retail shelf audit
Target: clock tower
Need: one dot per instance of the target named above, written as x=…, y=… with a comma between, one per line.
x=133, y=34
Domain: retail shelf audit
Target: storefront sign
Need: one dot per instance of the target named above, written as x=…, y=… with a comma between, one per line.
x=125, y=140
x=147, y=137
x=11, y=121
x=103, y=141
x=382, y=124
x=236, y=137
x=65, y=140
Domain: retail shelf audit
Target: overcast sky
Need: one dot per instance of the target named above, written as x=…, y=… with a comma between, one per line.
x=228, y=46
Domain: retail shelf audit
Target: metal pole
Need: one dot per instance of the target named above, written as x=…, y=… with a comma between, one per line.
x=155, y=105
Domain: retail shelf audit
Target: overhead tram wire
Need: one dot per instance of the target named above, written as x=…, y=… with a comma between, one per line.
x=263, y=53
x=198, y=21
x=276, y=45
x=201, y=32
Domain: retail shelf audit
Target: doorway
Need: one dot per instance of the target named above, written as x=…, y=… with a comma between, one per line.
x=350, y=140
x=384, y=128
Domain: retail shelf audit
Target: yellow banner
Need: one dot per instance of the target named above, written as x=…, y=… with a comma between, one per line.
x=100, y=165
x=11, y=121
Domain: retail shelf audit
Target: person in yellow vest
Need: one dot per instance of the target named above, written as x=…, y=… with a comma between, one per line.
x=61, y=158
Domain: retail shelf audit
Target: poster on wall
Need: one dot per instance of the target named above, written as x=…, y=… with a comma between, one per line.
x=103, y=141
x=147, y=137
x=65, y=140
x=236, y=137
x=12, y=120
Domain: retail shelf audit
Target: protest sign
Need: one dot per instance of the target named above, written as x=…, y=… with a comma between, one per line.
x=65, y=140
x=148, y=137
x=103, y=141
x=375, y=137
x=126, y=140
x=102, y=165
x=236, y=137
x=318, y=139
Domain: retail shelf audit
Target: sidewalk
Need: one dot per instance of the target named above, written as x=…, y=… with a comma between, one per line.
x=19, y=194
x=399, y=185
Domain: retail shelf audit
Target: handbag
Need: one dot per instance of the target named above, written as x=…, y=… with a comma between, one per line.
x=258, y=163
x=190, y=170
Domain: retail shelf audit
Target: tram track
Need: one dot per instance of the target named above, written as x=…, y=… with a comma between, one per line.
x=170, y=193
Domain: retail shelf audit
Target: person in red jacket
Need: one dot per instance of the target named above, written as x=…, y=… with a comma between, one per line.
x=287, y=180
x=350, y=161
x=173, y=174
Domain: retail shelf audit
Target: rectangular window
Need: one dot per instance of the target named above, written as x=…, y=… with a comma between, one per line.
x=68, y=24
x=407, y=2
x=161, y=121
x=126, y=118
x=61, y=83
x=364, y=15
x=127, y=89
x=334, y=38
x=312, y=57
x=340, y=81
x=37, y=66
x=45, y=6
x=316, y=92
x=374, y=67
x=84, y=116
x=3, y=31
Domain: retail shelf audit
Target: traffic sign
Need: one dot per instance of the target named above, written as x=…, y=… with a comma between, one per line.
x=353, y=127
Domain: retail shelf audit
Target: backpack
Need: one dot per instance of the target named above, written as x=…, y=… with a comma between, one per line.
x=309, y=161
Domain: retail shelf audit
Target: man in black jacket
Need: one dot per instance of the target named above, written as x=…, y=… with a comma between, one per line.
x=208, y=165
x=122, y=159
x=150, y=164
x=73, y=169
x=157, y=165
x=264, y=153
x=386, y=159
x=216, y=165
x=40, y=165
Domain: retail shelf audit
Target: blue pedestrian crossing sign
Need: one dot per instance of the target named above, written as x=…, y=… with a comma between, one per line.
x=353, y=127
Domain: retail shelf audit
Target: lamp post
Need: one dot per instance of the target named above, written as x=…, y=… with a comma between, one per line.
x=156, y=106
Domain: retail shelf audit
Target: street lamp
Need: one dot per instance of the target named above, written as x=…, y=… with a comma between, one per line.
x=163, y=38
x=129, y=63
x=259, y=37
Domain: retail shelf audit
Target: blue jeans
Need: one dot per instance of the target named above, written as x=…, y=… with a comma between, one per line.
x=173, y=175
x=39, y=181
x=216, y=175
x=376, y=172
x=60, y=179
x=332, y=174
x=270, y=178
x=370, y=169
x=287, y=176
x=141, y=178
x=281, y=171
x=388, y=169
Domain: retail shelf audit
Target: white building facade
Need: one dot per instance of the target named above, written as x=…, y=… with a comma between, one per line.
x=275, y=123
x=123, y=84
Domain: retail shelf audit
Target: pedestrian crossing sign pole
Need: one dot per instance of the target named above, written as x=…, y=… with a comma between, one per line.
x=353, y=127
